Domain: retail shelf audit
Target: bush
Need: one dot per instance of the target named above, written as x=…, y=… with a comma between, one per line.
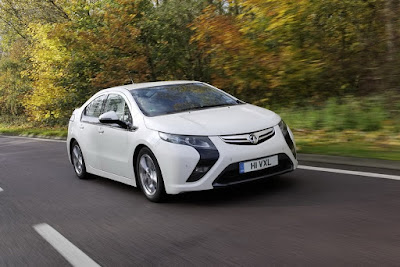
x=348, y=113
x=13, y=120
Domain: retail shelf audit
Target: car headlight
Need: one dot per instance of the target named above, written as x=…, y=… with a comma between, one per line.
x=283, y=127
x=201, y=142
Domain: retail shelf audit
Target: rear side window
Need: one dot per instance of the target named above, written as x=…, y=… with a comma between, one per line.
x=117, y=104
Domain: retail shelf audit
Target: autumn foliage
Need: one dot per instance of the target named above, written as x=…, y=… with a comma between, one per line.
x=56, y=53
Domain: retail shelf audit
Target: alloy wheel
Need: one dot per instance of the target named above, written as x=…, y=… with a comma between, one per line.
x=148, y=174
x=77, y=159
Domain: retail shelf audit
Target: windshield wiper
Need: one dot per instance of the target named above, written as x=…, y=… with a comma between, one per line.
x=199, y=108
x=205, y=107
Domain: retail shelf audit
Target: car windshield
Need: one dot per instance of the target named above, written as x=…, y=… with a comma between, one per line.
x=168, y=99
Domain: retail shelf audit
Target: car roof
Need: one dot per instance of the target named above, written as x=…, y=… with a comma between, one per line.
x=134, y=86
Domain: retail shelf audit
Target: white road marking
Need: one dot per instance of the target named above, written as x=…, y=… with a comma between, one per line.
x=366, y=174
x=1, y=189
x=71, y=253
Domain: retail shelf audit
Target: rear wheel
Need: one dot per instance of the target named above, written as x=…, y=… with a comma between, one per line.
x=149, y=176
x=77, y=161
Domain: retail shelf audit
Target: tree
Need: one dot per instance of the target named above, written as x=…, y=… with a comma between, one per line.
x=166, y=36
x=13, y=84
x=299, y=50
x=57, y=53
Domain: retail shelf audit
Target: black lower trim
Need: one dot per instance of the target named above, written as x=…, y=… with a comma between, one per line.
x=230, y=175
x=290, y=144
x=208, y=157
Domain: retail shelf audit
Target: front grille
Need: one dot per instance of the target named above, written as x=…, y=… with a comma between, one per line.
x=231, y=173
x=242, y=139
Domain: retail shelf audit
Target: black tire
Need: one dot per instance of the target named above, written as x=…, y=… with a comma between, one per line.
x=78, y=162
x=159, y=194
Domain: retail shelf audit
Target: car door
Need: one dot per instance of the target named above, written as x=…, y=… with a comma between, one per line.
x=88, y=131
x=116, y=142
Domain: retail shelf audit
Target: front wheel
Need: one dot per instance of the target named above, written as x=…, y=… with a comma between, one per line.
x=77, y=161
x=149, y=176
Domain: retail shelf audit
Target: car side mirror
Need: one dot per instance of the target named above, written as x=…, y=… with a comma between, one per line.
x=109, y=117
x=112, y=117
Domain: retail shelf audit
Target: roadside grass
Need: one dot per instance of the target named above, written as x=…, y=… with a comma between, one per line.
x=378, y=145
x=368, y=114
x=375, y=145
x=357, y=150
x=32, y=131
x=366, y=128
x=19, y=125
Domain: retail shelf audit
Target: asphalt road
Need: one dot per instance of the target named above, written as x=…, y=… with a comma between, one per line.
x=301, y=218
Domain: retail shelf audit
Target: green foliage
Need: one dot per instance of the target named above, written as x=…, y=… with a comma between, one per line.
x=166, y=36
x=352, y=149
x=34, y=132
x=349, y=113
x=56, y=53
x=13, y=84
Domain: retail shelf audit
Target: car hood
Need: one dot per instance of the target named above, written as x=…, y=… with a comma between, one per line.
x=228, y=120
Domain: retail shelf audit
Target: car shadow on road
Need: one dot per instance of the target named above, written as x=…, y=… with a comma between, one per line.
x=108, y=183
x=250, y=191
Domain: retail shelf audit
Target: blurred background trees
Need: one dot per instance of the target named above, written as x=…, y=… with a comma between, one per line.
x=56, y=53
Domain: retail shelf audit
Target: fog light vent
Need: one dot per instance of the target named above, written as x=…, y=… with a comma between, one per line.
x=198, y=172
x=208, y=157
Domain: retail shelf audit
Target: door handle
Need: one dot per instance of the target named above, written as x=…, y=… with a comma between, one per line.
x=101, y=131
x=81, y=127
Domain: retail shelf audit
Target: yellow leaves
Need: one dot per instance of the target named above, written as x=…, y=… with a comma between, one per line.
x=48, y=57
x=46, y=50
x=75, y=58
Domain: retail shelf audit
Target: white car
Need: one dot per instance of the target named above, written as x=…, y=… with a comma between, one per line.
x=177, y=136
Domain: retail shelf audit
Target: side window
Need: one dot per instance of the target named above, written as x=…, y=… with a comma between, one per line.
x=93, y=109
x=117, y=103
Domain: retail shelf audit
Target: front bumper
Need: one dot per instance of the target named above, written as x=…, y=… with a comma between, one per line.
x=177, y=163
x=230, y=175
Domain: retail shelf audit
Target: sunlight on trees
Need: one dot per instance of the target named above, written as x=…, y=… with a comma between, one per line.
x=56, y=53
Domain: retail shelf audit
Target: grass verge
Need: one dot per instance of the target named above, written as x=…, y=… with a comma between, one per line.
x=375, y=145
x=34, y=132
x=358, y=150
x=346, y=143
x=366, y=127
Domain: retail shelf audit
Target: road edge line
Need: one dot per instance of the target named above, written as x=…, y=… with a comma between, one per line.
x=349, y=161
x=357, y=173
x=69, y=251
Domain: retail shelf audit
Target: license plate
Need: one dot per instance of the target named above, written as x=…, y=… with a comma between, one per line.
x=258, y=164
